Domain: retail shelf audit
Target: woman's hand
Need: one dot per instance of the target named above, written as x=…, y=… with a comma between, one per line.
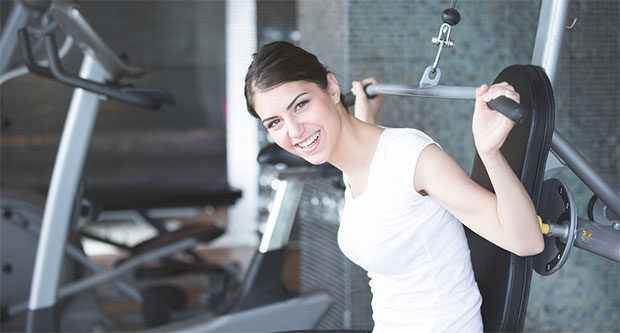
x=366, y=109
x=491, y=128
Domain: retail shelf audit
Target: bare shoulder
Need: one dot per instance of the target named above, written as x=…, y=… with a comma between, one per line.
x=435, y=167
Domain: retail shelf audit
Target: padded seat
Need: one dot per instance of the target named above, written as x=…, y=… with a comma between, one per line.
x=503, y=277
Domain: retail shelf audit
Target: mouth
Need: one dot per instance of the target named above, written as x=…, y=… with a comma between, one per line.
x=310, y=142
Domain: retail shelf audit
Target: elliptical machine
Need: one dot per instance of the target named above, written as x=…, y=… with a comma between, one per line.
x=260, y=297
x=23, y=212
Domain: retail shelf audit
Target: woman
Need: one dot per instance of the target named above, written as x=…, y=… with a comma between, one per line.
x=405, y=196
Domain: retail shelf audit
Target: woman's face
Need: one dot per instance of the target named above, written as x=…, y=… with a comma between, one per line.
x=302, y=118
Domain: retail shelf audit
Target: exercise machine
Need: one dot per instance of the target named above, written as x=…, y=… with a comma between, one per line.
x=263, y=304
x=23, y=212
x=260, y=295
x=504, y=278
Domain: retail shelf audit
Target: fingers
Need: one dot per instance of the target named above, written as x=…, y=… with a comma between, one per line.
x=482, y=89
x=369, y=80
x=364, y=82
x=497, y=90
x=358, y=89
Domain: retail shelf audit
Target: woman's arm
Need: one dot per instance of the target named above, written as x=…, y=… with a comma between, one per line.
x=506, y=218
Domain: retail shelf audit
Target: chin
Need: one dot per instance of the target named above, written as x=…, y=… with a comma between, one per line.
x=315, y=161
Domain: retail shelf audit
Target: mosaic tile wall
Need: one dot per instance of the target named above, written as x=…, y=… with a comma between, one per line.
x=391, y=40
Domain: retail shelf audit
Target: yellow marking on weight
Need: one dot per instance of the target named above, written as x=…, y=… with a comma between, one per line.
x=586, y=233
x=544, y=227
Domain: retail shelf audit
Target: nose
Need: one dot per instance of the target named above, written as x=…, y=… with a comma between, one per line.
x=295, y=128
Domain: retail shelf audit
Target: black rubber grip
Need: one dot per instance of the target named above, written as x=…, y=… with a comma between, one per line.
x=509, y=108
x=43, y=320
x=349, y=99
x=28, y=58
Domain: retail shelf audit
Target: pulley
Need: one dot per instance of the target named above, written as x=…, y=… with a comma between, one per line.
x=450, y=18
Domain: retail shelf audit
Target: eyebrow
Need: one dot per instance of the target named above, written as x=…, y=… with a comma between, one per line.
x=288, y=107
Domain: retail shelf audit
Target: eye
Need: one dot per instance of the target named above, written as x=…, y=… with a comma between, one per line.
x=273, y=123
x=300, y=105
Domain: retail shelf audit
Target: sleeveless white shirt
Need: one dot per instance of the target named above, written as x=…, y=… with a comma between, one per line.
x=415, y=252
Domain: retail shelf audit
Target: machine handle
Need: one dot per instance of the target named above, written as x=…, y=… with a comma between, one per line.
x=151, y=98
x=28, y=58
x=349, y=99
x=509, y=108
x=504, y=105
x=146, y=100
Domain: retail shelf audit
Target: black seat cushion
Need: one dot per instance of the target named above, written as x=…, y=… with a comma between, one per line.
x=503, y=277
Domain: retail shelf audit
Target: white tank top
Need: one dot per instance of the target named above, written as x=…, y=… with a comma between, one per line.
x=415, y=252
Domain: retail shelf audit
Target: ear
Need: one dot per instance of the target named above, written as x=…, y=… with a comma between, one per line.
x=333, y=88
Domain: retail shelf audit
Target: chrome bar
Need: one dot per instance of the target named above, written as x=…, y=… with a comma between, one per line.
x=580, y=167
x=551, y=25
x=63, y=187
x=559, y=145
x=602, y=240
x=447, y=92
x=126, y=267
x=282, y=215
x=8, y=42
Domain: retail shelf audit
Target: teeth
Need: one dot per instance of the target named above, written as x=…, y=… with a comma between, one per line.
x=309, y=141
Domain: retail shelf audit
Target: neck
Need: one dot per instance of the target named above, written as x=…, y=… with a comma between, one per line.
x=355, y=147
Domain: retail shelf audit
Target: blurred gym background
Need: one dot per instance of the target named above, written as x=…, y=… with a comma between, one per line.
x=209, y=141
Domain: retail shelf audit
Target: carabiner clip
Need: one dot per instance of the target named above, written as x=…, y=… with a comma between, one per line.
x=443, y=40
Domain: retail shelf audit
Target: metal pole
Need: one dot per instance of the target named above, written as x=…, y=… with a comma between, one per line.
x=448, y=92
x=551, y=25
x=128, y=266
x=584, y=171
x=60, y=198
x=282, y=216
x=17, y=19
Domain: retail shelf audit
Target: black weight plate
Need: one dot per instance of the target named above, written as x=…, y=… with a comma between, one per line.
x=557, y=207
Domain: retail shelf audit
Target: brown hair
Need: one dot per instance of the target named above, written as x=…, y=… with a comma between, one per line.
x=280, y=62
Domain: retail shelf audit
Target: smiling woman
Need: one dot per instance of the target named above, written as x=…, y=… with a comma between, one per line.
x=302, y=118
x=405, y=197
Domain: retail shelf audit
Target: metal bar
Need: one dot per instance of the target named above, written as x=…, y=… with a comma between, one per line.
x=585, y=172
x=551, y=25
x=63, y=186
x=122, y=285
x=602, y=240
x=282, y=215
x=79, y=256
x=17, y=19
x=447, y=92
x=559, y=145
x=125, y=267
